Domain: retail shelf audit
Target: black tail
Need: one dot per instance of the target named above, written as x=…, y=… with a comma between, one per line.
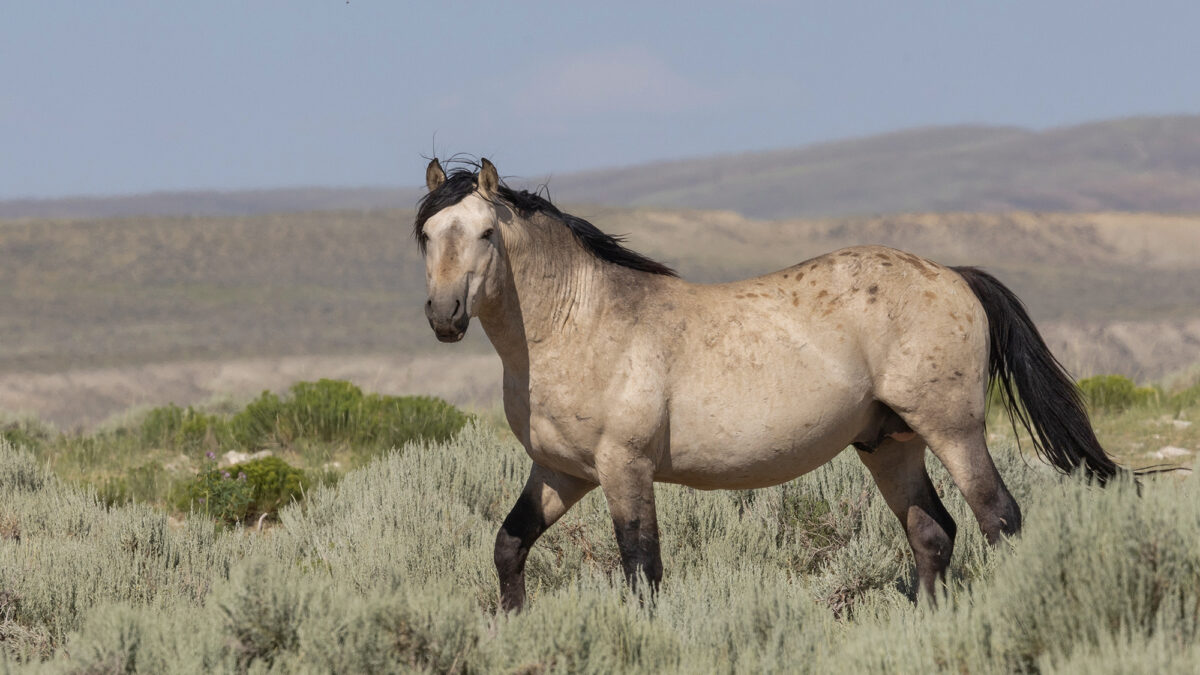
x=1037, y=391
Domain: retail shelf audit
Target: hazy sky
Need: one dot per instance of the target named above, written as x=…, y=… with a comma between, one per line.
x=123, y=96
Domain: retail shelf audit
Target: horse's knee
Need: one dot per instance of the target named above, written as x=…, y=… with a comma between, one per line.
x=508, y=555
x=932, y=539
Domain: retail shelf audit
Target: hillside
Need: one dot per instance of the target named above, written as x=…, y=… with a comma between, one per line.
x=1141, y=164
x=1144, y=164
x=98, y=315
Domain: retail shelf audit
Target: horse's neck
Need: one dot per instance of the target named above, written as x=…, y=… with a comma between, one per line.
x=551, y=289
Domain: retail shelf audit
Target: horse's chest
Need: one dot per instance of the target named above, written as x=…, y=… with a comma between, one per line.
x=555, y=433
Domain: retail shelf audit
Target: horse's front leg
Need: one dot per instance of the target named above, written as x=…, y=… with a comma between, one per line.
x=628, y=483
x=548, y=494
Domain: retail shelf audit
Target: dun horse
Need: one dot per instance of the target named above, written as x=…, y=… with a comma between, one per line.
x=618, y=374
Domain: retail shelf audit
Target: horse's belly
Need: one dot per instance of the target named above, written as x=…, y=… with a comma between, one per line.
x=722, y=448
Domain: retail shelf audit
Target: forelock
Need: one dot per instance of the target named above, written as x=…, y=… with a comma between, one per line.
x=458, y=185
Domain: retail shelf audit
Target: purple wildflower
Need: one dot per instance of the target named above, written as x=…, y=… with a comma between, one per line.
x=225, y=475
x=210, y=454
x=242, y=476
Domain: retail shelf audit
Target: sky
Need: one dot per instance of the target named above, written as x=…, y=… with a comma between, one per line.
x=124, y=96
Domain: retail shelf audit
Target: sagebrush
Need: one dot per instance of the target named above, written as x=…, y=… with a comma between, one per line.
x=391, y=570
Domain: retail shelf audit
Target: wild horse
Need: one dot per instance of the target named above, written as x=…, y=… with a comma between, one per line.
x=618, y=374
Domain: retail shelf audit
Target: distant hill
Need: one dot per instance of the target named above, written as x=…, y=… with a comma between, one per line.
x=213, y=203
x=1140, y=164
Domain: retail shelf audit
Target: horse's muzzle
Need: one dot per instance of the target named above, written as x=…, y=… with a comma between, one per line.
x=448, y=321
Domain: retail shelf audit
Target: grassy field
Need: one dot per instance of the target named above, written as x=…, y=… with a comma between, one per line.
x=389, y=569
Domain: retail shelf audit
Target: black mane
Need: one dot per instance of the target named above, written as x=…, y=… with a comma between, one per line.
x=462, y=182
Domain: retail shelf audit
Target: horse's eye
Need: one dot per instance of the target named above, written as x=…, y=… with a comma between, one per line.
x=487, y=234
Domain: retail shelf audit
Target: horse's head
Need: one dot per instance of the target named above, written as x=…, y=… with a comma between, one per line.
x=458, y=228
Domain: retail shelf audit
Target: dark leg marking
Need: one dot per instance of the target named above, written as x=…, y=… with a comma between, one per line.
x=520, y=530
x=546, y=497
x=640, y=552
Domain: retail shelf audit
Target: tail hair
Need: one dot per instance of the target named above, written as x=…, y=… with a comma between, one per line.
x=1035, y=388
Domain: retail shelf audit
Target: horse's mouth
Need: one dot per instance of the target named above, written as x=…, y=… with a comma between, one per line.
x=451, y=336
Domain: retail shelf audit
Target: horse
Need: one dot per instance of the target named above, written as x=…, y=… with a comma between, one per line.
x=619, y=374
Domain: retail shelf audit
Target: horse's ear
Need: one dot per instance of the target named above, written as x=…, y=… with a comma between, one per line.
x=434, y=176
x=488, y=179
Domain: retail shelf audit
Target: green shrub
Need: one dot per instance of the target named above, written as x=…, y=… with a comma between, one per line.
x=334, y=411
x=328, y=410
x=183, y=428
x=242, y=491
x=26, y=432
x=217, y=493
x=255, y=424
x=274, y=482
x=393, y=421
x=1115, y=393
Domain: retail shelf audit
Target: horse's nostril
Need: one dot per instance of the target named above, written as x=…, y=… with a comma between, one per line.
x=457, y=308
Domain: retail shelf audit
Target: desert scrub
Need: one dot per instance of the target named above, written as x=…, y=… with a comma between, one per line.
x=243, y=491
x=391, y=570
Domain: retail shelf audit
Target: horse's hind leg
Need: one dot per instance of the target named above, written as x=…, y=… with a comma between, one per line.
x=546, y=497
x=899, y=470
x=965, y=455
x=951, y=422
x=949, y=414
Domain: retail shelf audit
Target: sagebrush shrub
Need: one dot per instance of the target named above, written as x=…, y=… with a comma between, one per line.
x=391, y=570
